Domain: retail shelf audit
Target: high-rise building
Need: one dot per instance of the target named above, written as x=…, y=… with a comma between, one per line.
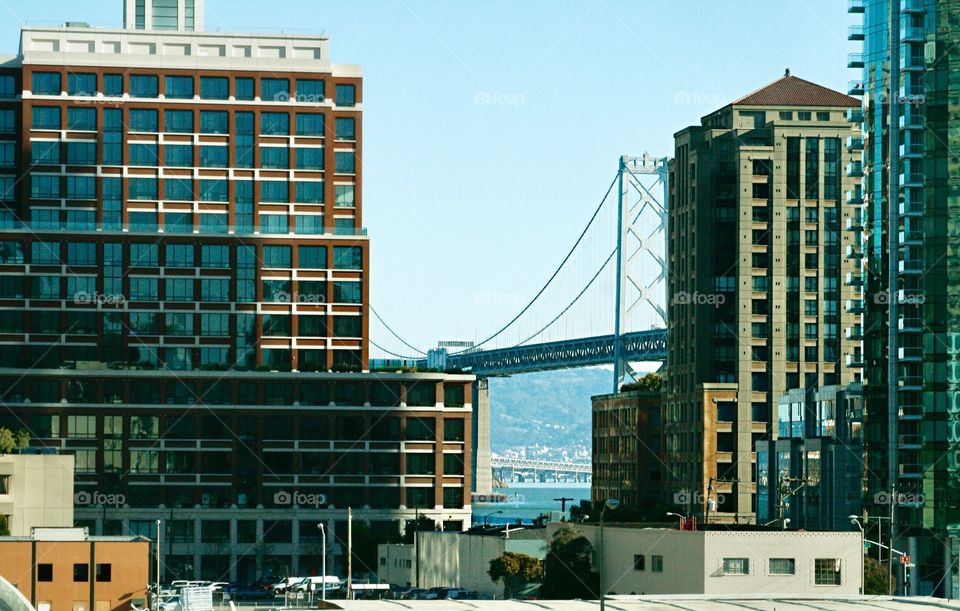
x=912, y=328
x=763, y=293
x=184, y=284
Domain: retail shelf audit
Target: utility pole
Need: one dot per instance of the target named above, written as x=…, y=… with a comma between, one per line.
x=157, y=597
x=349, y=553
x=416, y=541
x=563, y=503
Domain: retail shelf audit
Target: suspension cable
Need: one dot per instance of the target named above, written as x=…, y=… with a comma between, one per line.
x=399, y=356
x=394, y=333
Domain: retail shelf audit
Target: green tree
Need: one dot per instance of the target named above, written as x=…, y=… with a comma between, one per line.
x=516, y=570
x=422, y=524
x=22, y=439
x=650, y=382
x=7, y=441
x=568, y=570
x=875, y=577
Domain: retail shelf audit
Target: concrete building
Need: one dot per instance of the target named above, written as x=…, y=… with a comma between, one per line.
x=628, y=448
x=906, y=75
x=36, y=490
x=64, y=569
x=662, y=561
x=763, y=255
x=452, y=559
x=812, y=474
x=184, y=282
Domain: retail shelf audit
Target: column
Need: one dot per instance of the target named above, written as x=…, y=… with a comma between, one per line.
x=482, y=474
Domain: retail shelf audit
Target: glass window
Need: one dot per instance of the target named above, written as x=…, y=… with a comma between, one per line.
x=656, y=563
x=346, y=128
x=82, y=153
x=308, y=192
x=214, y=190
x=144, y=86
x=344, y=226
x=43, y=152
x=144, y=154
x=214, y=325
x=46, y=117
x=347, y=257
x=213, y=223
x=275, y=89
x=8, y=86
x=45, y=187
x=178, y=121
x=346, y=292
x=113, y=85
x=275, y=123
x=343, y=197
x=274, y=157
x=309, y=124
x=144, y=255
x=143, y=188
x=82, y=119
x=81, y=187
x=7, y=121
x=214, y=156
x=344, y=162
x=215, y=256
x=46, y=83
x=179, y=155
x=827, y=571
x=273, y=191
x=143, y=289
x=783, y=566
x=179, y=87
x=312, y=257
x=214, y=122
x=309, y=158
x=310, y=90
x=179, y=289
x=143, y=120
x=308, y=224
x=180, y=189
x=214, y=87
x=143, y=221
x=274, y=223
x=736, y=566
x=346, y=95
x=245, y=88
x=276, y=256
x=81, y=84
x=215, y=289
x=179, y=255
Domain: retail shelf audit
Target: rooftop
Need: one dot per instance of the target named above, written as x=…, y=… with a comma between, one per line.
x=790, y=90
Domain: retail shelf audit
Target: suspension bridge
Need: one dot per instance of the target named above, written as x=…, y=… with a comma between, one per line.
x=604, y=304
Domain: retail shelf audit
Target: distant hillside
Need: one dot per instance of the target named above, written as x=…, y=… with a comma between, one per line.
x=545, y=415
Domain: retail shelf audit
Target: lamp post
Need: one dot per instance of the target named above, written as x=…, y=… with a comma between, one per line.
x=323, y=555
x=492, y=513
x=682, y=517
x=157, y=597
x=855, y=520
x=612, y=504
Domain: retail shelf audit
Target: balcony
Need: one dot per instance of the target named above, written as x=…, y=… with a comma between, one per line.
x=911, y=92
x=910, y=266
x=911, y=151
x=908, y=63
x=855, y=169
x=854, y=143
x=854, y=279
x=855, y=360
x=909, y=7
x=910, y=354
x=914, y=296
x=911, y=470
x=911, y=207
x=907, y=34
x=910, y=383
x=855, y=197
x=911, y=442
x=910, y=238
x=855, y=115
x=852, y=252
x=854, y=306
x=855, y=223
x=855, y=60
x=912, y=119
x=855, y=87
x=854, y=333
x=855, y=7
x=913, y=180
x=855, y=32
x=910, y=407
x=910, y=325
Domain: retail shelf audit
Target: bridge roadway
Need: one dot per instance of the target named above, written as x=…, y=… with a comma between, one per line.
x=638, y=346
x=499, y=462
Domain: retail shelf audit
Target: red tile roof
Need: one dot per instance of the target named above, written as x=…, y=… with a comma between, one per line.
x=792, y=91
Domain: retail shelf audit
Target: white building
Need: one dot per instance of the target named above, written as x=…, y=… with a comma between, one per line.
x=36, y=490
x=665, y=561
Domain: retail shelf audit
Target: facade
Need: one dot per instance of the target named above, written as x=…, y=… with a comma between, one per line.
x=456, y=559
x=639, y=560
x=627, y=448
x=184, y=283
x=764, y=254
x=36, y=490
x=64, y=569
x=909, y=117
x=813, y=473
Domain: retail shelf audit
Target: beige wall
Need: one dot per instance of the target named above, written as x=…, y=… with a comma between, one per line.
x=39, y=491
x=693, y=561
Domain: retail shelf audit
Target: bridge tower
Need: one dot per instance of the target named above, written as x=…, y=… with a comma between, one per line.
x=641, y=287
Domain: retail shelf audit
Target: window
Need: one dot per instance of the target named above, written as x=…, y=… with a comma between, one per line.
x=82, y=153
x=347, y=257
x=46, y=117
x=793, y=167
x=215, y=256
x=81, y=187
x=7, y=125
x=276, y=157
x=309, y=158
x=180, y=156
x=214, y=87
x=312, y=257
x=8, y=86
x=346, y=128
x=46, y=83
x=656, y=563
x=214, y=122
x=81, y=572
x=803, y=115
x=343, y=197
x=275, y=89
x=736, y=566
x=346, y=95
x=826, y=571
x=179, y=255
x=308, y=224
x=178, y=189
x=144, y=86
x=344, y=226
x=143, y=120
x=143, y=188
x=274, y=223
x=275, y=123
x=113, y=85
x=8, y=154
x=308, y=192
x=309, y=90
x=44, y=572
x=783, y=566
x=786, y=115
x=823, y=116
x=178, y=121
x=179, y=289
x=179, y=87
x=273, y=191
x=346, y=292
x=245, y=88
x=144, y=154
x=82, y=119
x=214, y=325
x=144, y=255
x=214, y=156
x=309, y=124
x=45, y=187
x=345, y=162
x=276, y=256
x=213, y=190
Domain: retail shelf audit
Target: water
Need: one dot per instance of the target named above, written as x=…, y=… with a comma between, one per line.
x=526, y=502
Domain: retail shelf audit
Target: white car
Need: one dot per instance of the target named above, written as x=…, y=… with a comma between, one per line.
x=330, y=583
x=286, y=584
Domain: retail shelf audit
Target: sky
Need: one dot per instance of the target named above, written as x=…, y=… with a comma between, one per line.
x=492, y=129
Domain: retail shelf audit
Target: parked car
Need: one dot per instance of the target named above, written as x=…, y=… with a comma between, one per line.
x=285, y=584
x=252, y=592
x=330, y=583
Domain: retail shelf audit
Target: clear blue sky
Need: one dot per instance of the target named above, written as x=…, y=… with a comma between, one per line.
x=492, y=128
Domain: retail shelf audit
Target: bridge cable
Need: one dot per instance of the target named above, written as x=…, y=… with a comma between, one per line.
x=399, y=356
x=575, y=299
x=552, y=276
x=394, y=333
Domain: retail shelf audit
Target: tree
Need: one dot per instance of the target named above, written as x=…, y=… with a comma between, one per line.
x=7, y=443
x=649, y=382
x=568, y=569
x=421, y=524
x=22, y=439
x=875, y=577
x=516, y=570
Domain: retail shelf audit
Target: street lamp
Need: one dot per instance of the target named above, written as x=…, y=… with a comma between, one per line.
x=612, y=504
x=682, y=517
x=492, y=513
x=855, y=520
x=323, y=544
